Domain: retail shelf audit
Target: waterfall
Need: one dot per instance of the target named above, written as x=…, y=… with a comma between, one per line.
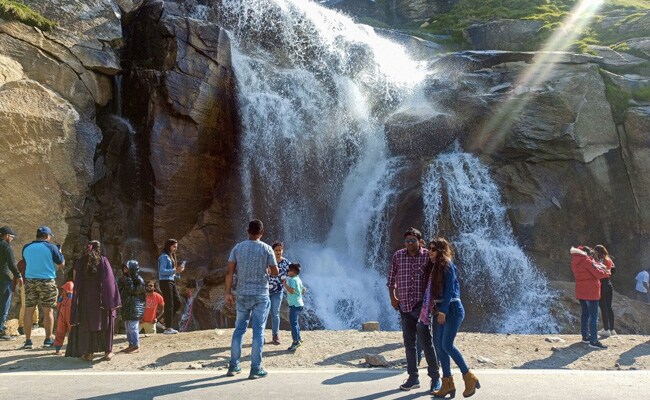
x=313, y=90
x=496, y=274
x=187, y=322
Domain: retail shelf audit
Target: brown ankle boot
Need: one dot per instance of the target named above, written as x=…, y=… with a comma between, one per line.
x=447, y=388
x=471, y=384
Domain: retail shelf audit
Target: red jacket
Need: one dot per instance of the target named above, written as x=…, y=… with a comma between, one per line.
x=588, y=274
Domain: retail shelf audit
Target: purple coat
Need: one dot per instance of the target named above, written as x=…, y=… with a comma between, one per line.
x=109, y=295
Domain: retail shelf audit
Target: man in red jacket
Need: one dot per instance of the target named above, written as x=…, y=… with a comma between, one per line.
x=588, y=273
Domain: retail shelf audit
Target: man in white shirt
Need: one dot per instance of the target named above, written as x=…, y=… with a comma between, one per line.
x=643, y=286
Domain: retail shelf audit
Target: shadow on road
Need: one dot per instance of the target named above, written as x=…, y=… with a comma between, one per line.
x=560, y=358
x=352, y=377
x=629, y=357
x=151, y=392
x=348, y=358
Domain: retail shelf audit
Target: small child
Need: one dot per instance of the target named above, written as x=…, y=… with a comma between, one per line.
x=132, y=291
x=295, y=290
x=63, y=304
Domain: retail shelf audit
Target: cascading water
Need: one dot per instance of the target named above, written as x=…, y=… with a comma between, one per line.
x=493, y=266
x=313, y=89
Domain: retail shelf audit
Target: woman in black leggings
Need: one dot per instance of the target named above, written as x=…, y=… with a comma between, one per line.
x=606, y=290
x=168, y=271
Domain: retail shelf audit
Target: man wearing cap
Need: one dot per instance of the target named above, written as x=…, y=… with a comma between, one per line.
x=41, y=257
x=7, y=265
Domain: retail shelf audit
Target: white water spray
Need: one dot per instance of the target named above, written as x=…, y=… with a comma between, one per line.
x=314, y=89
x=491, y=262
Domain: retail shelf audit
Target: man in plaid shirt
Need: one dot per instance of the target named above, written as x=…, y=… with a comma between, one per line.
x=407, y=281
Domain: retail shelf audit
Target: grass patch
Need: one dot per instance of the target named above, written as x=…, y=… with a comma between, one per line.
x=551, y=13
x=15, y=10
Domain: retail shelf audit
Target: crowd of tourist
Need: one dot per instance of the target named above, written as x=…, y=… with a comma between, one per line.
x=422, y=281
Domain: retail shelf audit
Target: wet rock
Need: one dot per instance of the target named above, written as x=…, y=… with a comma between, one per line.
x=512, y=35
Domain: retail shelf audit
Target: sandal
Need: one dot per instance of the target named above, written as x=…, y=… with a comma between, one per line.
x=88, y=357
x=108, y=356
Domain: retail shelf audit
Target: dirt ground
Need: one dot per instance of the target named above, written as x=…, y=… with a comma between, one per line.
x=210, y=349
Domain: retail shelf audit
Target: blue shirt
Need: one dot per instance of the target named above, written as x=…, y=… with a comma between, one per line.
x=252, y=258
x=295, y=299
x=166, y=270
x=41, y=258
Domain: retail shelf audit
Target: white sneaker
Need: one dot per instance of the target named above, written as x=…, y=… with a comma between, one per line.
x=613, y=333
x=170, y=331
x=605, y=333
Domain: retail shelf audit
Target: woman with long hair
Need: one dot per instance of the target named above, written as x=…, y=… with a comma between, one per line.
x=276, y=292
x=448, y=315
x=94, y=306
x=606, y=291
x=168, y=271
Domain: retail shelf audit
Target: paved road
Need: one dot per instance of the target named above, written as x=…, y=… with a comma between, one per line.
x=317, y=384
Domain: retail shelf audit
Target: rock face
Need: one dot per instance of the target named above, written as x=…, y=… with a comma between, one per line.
x=635, y=145
x=180, y=98
x=49, y=93
x=512, y=35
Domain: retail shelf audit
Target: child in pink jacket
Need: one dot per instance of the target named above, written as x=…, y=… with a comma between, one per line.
x=63, y=304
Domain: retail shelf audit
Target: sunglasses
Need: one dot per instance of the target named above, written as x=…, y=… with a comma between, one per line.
x=411, y=240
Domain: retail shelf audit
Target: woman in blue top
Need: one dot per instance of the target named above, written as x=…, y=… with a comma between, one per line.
x=275, y=289
x=449, y=311
x=168, y=270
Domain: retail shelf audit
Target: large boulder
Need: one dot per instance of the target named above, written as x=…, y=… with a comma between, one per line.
x=507, y=34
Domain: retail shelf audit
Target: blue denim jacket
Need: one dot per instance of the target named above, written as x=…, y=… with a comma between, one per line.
x=166, y=271
x=451, y=289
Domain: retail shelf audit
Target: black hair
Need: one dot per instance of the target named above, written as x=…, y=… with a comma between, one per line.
x=295, y=268
x=277, y=244
x=413, y=232
x=255, y=227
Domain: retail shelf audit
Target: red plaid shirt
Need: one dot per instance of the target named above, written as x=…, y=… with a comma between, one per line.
x=408, y=275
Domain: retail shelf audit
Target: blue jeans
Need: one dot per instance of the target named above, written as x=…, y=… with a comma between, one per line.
x=255, y=307
x=417, y=335
x=5, y=301
x=276, y=302
x=444, y=337
x=294, y=316
x=132, y=332
x=589, y=319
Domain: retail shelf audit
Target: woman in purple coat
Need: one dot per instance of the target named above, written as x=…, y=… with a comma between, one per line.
x=94, y=304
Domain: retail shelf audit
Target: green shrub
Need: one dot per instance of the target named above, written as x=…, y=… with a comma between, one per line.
x=18, y=11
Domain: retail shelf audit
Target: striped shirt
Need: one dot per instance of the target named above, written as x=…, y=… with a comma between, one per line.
x=408, y=276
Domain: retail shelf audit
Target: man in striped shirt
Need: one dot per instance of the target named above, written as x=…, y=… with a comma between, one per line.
x=407, y=280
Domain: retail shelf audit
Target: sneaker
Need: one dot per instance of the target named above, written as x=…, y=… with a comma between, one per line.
x=48, y=342
x=294, y=346
x=276, y=339
x=256, y=374
x=605, y=333
x=585, y=340
x=4, y=336
x=233, y=370
x=28, y=344
x=410, y=383
x=436, y=385
x=613, y=333
x=21, y=330
x=170, y=331
x=597, y=345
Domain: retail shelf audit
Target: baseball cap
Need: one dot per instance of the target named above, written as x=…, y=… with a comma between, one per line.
x=44, y=230
x=7, y=230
